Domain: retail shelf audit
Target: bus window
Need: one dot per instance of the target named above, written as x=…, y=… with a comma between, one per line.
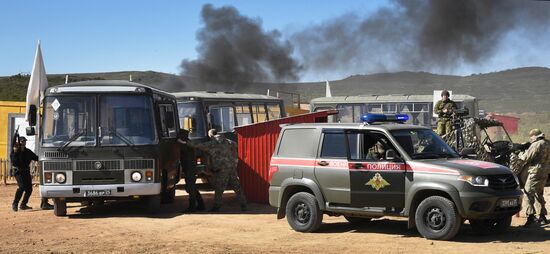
x=389, y=108
x=349, y=113
x=273, y=111
x=374, y=108
x=167, y=120
x=223, y=118
x=243, y=114
x=258, y=112
x=193, y=110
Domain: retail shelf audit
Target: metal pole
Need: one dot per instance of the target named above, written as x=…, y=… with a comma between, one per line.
x=4, y=171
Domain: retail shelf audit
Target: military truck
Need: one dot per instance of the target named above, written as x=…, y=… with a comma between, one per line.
x=383, y=167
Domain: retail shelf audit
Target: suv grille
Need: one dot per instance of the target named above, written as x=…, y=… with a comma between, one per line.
x=502, y=182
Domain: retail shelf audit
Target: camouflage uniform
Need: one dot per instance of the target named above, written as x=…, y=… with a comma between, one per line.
x=445, y=121
x=537, y=162
x=222, y=160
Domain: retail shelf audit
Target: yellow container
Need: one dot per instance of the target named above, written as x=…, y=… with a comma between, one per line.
x=6, y=108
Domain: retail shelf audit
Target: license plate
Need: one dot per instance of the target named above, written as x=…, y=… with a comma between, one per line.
x=97, y=193
x=508, y=202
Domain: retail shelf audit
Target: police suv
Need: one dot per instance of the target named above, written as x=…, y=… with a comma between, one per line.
x=384, y=167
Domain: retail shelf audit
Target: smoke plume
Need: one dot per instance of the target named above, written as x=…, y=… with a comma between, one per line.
x=418, y=35
x=234, y=49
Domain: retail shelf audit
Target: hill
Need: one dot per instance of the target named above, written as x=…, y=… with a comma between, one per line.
x=517, y=90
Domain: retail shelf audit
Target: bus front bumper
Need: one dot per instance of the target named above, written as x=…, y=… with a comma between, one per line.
x=99, y=191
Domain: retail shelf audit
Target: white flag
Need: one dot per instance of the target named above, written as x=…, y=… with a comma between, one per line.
x=328, y=93
x=37, y=84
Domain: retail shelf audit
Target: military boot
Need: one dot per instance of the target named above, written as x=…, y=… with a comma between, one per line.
x=542, y=220
x=531, y=220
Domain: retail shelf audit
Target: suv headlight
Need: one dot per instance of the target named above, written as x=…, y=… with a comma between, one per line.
x=475, y=180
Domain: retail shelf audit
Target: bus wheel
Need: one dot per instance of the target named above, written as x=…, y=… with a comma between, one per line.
x=59, y=207
x=153, y=203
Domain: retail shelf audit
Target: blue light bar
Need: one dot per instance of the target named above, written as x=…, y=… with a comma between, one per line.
x=372, y=118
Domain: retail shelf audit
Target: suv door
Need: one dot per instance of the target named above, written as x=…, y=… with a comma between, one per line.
x=376, y=181
x=331, y=166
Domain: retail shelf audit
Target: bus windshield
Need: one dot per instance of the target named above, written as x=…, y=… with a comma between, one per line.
x=69, y=121
x=194, y=111
x=126, y=120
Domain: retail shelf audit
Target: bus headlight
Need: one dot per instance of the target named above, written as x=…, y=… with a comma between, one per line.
x=60, y=178
x=136, y=176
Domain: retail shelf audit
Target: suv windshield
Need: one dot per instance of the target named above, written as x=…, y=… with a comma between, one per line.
x=126, y=120
x=195, y=112
x=69, y=121
x=423, y=144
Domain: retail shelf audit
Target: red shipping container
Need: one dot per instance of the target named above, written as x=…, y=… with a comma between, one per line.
x=256, y=145
x=510, y=123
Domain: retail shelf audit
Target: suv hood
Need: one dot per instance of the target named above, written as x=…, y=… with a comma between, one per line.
x=467, y=166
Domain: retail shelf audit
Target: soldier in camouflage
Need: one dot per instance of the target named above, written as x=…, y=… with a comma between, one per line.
x=222, y=161
x=537, y=162
x=444, y=110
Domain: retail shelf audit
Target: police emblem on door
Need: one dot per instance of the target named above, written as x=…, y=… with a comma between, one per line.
x=377, y=182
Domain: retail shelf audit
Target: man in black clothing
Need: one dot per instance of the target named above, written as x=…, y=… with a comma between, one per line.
x=189, y=166
x=21, y=158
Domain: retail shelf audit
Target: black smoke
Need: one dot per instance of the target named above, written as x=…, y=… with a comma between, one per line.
x=235, y=50
x=421, y=35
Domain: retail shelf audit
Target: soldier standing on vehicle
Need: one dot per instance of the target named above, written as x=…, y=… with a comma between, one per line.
x=189, y=166
x=537, y=161
x=21, y=158
x=444, y=110
x=222, y=161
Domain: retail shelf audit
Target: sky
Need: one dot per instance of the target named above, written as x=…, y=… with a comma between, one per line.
x=106, y=36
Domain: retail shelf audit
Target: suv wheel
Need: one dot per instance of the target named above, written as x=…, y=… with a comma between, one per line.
x=436, y=218
x=357, y=220
x=491, y=226
x=303, y=213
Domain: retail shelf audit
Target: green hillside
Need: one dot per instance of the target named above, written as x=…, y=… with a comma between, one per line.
x=518, y=90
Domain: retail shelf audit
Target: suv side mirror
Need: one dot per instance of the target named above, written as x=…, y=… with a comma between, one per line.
x=32, y=115
x=30, y=131
x=468, y=152
x=390, y=155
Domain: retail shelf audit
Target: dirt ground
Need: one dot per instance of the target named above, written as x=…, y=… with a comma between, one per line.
x=123, y=227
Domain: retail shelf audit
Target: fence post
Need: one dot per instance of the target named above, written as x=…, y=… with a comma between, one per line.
x=5, y=171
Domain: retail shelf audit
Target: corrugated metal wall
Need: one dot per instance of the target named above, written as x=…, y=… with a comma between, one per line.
x=256, y=145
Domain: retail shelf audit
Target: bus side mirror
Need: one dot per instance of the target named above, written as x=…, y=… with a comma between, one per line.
x=188, y=123
x=32, y=115
x=30, y=131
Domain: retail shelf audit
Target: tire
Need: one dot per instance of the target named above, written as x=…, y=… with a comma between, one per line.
x=303, y=213
x=491, y=226
x=357, y=220
x=59, y=207
x=153, y=203
x=437, y=219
